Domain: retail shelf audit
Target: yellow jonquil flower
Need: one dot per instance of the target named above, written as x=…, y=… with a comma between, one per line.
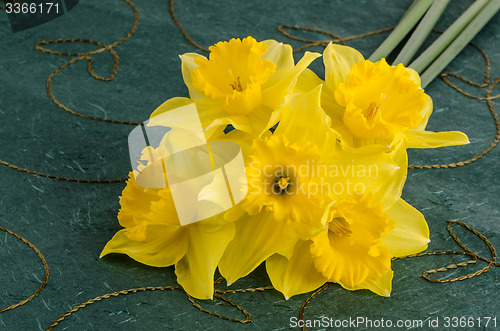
x=293, y=178
x=363, y=233
x=153, y=235
x=242, y=83
x=375, y=103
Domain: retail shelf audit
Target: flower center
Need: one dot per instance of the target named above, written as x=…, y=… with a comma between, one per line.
x=380, y=100
x=234, y=74
x=281, y=185
x=237, y=85
x=372, y=109
x=339, y=226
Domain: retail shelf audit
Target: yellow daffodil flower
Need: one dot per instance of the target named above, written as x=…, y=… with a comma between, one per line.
x=375, y=103
x=355, y=249
x=242, y=83
x=293, y=178
x=153, y=234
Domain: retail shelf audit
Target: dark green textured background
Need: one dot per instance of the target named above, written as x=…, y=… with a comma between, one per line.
x=70, y=223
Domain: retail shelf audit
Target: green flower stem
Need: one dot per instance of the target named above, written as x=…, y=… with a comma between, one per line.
x=460, y=42
x=431, y=53
x=421, y=32
x=410, y=18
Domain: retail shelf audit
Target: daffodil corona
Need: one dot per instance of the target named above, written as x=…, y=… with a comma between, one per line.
x=234, y=74
x=380, y=100
x=375, y=103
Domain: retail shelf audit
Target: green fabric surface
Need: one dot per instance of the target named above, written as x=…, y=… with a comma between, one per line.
x=70, y=222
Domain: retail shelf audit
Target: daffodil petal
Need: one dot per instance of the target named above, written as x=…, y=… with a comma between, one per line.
x=303, y=119
x=338, y=61
x=163, y=245
x=429, y=139
x=366, y=169
x=413, y=75
x=381, y=286
x=208, y=112
x=295, y=275
x=135, y=200
x=171, y=104
x=426, y=113
x=306, y=81
x=257, y=237
x=281, y=55
x=411, y=234
x=261, y=121
x=195, y=271
x=390, y=190
x=243, y=139
x=188, y=65
x=273, y=93
x=238, y=122
x=330, y=105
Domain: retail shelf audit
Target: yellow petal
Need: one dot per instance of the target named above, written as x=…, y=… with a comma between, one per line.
x=163, y=245
x=381, y=286
x=411, y=234
x=135, y=201
x=195, y=271
x=297, y=275
x=256, y=238
x=243, y=139
x=281, y=55
x=306, y=81
x=366, y=169
x=429, y=139
x=414, y=75
x=390, y=190
x=171, y=104
x=188, y=65
x=426, y=113
x=209, y=111
x=338, y=61
x=234, y=74
x=275, y=90
x=330, y=105
x=239, y=122
x=303, y=119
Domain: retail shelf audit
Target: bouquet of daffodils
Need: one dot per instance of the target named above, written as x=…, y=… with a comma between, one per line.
x=314, y=182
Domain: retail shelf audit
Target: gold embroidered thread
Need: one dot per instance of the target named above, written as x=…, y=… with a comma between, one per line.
x=45, y=267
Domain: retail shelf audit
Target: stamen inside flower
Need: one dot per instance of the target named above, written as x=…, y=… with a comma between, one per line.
x=371, y=110
x=339, y=226
x=237, y=85
x=281, y=185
